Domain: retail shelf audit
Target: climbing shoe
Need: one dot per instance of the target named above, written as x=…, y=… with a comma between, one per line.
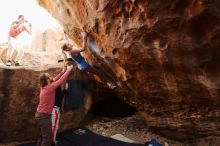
x=8, y=63
x=18, y=64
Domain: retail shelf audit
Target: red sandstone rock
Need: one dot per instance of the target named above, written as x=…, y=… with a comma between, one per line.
x=18, y=101
x=166, y=54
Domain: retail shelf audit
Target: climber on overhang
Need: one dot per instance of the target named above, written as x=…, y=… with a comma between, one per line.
x=82, y=64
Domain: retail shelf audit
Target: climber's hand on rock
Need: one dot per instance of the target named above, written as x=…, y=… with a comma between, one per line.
x=69, y=67
x=84, y=34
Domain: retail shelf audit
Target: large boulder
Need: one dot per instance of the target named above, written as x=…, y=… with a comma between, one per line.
x=165, y=54
x=19, y=97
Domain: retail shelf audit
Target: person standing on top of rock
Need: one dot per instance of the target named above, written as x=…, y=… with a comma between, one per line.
x=48, y=86
x=16, y=29
x=82, y=64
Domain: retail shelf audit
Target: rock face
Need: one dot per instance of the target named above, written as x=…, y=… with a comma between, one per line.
x=47, y=40
x=19, y=90
x=165, y=54
x=18, y=101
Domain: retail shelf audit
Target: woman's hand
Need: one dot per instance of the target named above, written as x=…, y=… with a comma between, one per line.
x=69, y=67
x=64, y=69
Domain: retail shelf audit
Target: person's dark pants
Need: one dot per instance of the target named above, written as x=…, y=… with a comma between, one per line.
x=95, y=71
x=44, y=121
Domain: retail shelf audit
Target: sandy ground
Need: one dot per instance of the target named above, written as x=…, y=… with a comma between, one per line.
x=132, y=127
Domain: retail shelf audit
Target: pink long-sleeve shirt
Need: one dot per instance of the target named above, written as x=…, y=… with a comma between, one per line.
x=47, y=93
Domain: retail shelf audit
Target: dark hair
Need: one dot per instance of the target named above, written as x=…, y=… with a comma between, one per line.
x=43, y=79
x=64, y=47
x=20, y=16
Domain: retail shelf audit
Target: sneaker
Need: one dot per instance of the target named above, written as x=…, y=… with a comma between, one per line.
x=8, y=63
x=18, y=64
x=111, y=85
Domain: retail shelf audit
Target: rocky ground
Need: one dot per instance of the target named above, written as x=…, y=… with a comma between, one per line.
x=132, y=127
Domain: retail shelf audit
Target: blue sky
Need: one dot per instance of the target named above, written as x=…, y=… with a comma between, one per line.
x=10, y=9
